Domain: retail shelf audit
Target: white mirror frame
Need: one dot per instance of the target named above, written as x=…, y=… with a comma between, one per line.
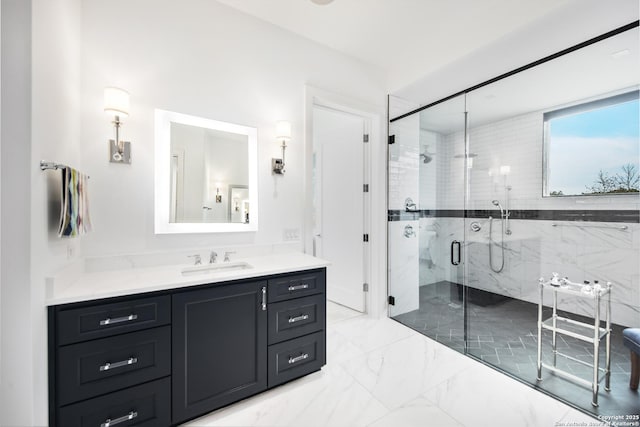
x=163, y=120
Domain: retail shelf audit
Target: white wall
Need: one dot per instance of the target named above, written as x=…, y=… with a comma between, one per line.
x=40, y=59
x=55, y=135
x=202, y=58
x=16, y=382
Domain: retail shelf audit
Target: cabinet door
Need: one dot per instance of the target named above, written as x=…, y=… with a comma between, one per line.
x=219, y=345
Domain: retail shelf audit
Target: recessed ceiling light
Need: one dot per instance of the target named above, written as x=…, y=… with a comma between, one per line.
x=322, y=2
x=620, y=53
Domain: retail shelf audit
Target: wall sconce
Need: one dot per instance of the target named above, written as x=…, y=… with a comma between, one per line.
x=283, y=132
x=116, y=103
x=218, y=195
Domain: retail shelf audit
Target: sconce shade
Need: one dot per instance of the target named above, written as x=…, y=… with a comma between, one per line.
x=116, y=101
x=283, y=130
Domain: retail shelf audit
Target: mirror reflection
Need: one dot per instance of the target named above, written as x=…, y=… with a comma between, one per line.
x=206, y=165
x=206, y=175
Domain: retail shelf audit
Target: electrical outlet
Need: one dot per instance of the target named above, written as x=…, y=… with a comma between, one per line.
x=290, y=234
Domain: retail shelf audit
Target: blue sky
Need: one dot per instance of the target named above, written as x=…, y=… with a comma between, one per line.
x=582, y=144
x=616, y=120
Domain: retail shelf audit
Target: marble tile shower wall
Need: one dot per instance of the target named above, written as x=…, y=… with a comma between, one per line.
x=536, y=249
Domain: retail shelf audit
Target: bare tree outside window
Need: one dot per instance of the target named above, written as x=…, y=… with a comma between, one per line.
x=625, y=181
x=628, y=179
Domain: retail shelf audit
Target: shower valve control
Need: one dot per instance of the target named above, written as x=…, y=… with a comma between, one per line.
x=475, y=226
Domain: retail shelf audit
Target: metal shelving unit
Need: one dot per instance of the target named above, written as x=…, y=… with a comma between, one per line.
x=591, y=333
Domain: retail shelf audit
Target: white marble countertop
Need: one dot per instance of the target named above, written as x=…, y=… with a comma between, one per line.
x=103, y=284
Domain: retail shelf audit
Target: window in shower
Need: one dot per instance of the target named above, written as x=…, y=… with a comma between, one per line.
x=604, y=136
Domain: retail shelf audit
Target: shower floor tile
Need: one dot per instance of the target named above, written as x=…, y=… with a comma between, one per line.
x=504, y=334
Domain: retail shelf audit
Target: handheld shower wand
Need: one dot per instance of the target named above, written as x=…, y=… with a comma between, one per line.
x=497, y=203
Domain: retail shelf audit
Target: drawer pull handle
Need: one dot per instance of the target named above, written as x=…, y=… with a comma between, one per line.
x=264, y=298
x=298, y=287
x=293, y=360
x=129, y=361
x=110, y=321
x=298, y=318
x=109, y=422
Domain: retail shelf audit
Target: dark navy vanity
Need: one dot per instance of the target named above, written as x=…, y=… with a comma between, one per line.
x=162, y=358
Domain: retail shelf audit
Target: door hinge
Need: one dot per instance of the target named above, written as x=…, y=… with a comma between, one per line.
x=365, y=188
x=365, y=287
x=392, y=139
x=366, y=238
x=391, y=300
x=365, y=137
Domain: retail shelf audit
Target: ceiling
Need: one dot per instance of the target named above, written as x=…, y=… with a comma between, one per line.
x=406, y=38
x=595, y=71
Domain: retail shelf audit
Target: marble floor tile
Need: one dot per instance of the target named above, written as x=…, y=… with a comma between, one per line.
x=402, y=371
x=337, y=312
x=368, y=334
x=380, y=373
x=330, y=397
x=339, y=348
x=481, y=396
x=417, y=413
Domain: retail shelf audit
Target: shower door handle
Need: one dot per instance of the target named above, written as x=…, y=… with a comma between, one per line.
x=457, y=260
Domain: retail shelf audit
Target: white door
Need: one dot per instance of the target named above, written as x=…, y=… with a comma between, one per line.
x=339, y=226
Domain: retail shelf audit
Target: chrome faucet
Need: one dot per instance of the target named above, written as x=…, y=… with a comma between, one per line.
x=212, y=257
x=226, y=256
x=197, y=259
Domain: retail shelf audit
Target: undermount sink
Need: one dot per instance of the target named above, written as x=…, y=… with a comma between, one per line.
x=216, y=268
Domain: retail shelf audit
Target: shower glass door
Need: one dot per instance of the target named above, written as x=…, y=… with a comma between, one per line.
x=554, y=189
x=426, y=221
x=527, y=177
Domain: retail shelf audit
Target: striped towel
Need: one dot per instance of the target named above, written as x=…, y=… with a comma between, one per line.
x=74, y=209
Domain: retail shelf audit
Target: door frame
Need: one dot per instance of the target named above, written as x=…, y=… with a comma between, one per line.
x=375, y=175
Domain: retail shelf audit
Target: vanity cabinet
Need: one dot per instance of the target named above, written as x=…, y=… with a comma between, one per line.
x=161, y=358
x=219, y=347
x=110, y=362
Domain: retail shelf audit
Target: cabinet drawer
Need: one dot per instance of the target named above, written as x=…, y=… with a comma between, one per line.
x=146, y=405
x=297, y=285
x=99, y=321
x=97, y=367
x=295, y=358
x=297, y=317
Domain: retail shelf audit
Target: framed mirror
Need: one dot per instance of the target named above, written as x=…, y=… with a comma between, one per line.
x=206, y=177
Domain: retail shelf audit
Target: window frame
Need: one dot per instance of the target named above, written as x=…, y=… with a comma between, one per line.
x=578, y=108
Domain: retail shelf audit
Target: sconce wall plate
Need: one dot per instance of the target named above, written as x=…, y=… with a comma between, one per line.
x=283, y=133
x=116, y=103
x=120, y=152
x=278, y=166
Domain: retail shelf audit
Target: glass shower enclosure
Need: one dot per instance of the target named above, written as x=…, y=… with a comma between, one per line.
x=507, y=183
